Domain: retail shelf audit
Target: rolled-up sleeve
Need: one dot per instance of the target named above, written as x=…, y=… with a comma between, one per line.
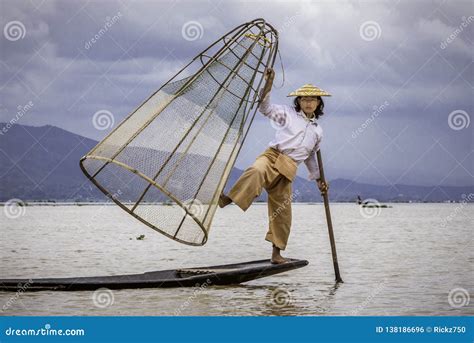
x=274, y=112
x=312, y=166
x=311, y=162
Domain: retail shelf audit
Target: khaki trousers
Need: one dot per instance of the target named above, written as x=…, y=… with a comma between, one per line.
x=275, y=172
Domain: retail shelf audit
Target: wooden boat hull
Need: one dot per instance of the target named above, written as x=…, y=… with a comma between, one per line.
x=229, y=274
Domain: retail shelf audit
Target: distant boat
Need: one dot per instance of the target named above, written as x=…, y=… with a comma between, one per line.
x=376, y=206
x=370, y=203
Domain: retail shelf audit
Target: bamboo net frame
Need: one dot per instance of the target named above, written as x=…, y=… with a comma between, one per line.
x=180, y=144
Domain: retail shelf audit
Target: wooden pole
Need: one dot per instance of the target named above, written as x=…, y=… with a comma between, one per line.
x=328, y=219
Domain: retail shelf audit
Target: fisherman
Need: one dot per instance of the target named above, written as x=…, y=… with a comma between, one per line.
x=296, y=140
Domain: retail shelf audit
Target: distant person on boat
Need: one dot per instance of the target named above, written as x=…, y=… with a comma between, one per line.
x=297, y=139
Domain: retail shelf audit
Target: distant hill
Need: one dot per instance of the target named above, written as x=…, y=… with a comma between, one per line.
x=42, y=163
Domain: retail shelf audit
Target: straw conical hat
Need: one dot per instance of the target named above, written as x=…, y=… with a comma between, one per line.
x=309, y=90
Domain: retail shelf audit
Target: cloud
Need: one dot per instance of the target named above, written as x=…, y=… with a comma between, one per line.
x=80, y=57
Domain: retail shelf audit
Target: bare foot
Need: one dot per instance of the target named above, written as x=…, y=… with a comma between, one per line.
x=224, y=200
x=278, y=260
x=276, y=257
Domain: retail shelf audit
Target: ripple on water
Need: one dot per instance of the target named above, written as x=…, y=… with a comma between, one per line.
x=401, y=262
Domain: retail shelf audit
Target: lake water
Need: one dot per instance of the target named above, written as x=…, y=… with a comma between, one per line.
x=411, y=259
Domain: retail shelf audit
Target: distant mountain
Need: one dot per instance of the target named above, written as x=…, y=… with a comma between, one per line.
x=42, y=163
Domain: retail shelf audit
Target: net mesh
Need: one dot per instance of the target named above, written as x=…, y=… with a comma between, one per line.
x=167, y=162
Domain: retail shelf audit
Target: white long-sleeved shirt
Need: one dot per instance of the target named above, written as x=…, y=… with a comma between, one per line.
x=296, y=135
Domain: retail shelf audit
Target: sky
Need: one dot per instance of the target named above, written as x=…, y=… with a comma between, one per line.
x=400, y=73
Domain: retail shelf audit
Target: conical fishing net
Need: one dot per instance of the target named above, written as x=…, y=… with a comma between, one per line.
x=169, y=160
